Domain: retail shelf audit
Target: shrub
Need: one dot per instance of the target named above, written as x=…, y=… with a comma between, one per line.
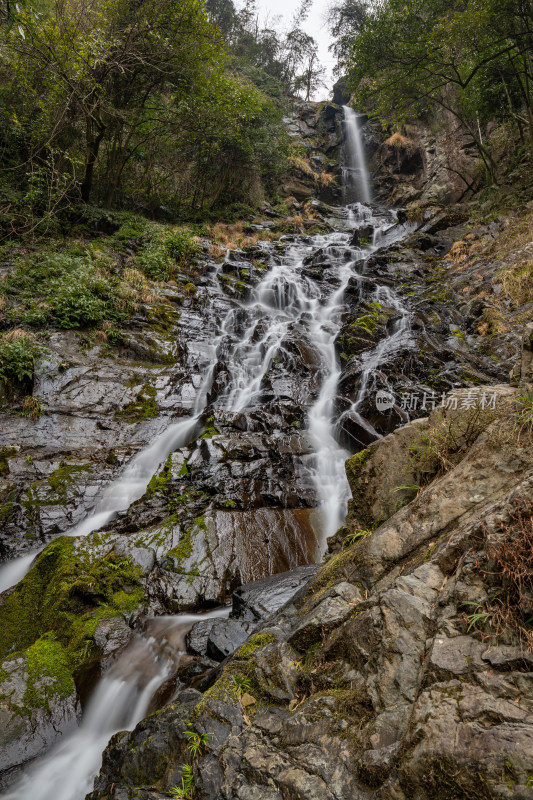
x=168, y=252
x=507, y=569
x=18, y=354
x=441, y=448
x=77, y=307
x=74, y=289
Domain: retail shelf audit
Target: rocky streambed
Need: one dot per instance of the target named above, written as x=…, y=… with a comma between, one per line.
x=178, y=483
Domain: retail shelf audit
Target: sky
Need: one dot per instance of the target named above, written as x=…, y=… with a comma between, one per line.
x=315, y=25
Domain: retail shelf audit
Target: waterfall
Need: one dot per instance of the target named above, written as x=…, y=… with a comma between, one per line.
x=355, y=173
x=248, y=338
x=120, y=700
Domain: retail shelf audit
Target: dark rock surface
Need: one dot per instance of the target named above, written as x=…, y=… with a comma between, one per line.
x=258, y=600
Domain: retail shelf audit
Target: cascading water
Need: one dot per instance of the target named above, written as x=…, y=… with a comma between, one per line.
x=250, y=336
x=356, y=179
x=121, y=699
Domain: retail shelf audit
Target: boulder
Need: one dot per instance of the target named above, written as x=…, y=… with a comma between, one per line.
x=226, y=636
x=38, y=703
x=341, y=93
x=260, y=599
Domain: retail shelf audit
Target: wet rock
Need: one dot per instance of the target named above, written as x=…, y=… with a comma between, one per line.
x=112, y=635
x=362, y=236
x=35, y=711
x=198, y=637
x=225, y=636
x=258, y=600
x=368, y=682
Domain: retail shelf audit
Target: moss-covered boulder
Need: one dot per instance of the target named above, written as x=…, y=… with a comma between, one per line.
x=38, y=701
x=65, y=595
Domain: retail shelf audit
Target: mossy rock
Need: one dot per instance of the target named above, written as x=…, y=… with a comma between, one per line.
x=143, y=407
x=65, y=595
x=5, y=454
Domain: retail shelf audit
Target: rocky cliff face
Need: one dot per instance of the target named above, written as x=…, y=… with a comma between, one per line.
x=431, y=162
x=316, y=133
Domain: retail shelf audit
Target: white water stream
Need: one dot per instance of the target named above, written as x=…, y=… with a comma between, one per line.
x=250, y=336
x=356, y=179
x=121, y=699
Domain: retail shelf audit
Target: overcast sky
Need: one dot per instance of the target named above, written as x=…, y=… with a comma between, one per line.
x=315, y=25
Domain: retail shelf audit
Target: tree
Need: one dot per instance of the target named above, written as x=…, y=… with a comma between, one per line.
x=345, y=19
x=470, y=57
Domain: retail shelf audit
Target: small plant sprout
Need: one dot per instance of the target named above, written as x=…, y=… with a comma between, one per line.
x=197, y=742
x=241, y=685
x=187, y=790
x=357, y=536
x=476, y=616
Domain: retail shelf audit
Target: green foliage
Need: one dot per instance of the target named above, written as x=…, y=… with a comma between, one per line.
x=167, y=252
x=240, y=685
x=408, y=57
x=197, y=742
x=65, y=594
x=32, y=407
x=357, y=536
x=476, y=616
x=69, y=289
x=187, y=790
x=186, y=131
x=17, y=359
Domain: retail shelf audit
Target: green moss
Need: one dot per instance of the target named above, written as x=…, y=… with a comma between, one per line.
x=254, y=643
x=161, y=479
x=369, y=321
x=143, y=407
x=66, y=593
x=7, y=503
x=332, y=573
x=183, y=549
x=56, y=490
x=47, y=659
x=65, y=475
x=5, y=454
x=200, y=523
x=210, y=429
x=354, y=466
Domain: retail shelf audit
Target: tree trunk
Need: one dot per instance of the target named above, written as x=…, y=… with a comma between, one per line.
x=93, y=147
